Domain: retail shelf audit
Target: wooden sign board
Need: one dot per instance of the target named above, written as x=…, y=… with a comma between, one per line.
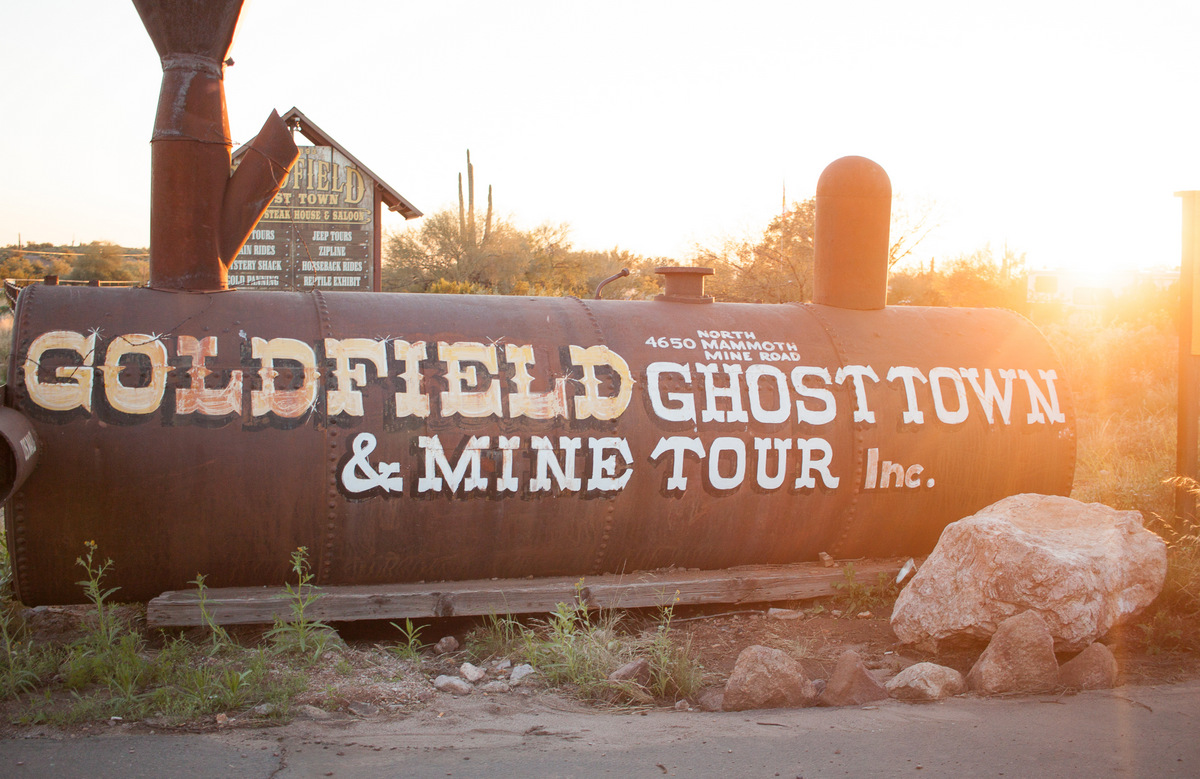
x=319, y=231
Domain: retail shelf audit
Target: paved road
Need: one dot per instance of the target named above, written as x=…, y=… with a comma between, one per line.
x=1132, y=731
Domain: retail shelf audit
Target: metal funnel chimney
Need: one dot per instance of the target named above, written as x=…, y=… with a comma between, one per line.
x=199, y=215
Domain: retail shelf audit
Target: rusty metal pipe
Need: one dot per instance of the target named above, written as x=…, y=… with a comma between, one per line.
x=252, y=187
x=850, y=253
x=190, y=147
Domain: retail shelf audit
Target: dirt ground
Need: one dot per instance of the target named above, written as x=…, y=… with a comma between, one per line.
x=365, y=673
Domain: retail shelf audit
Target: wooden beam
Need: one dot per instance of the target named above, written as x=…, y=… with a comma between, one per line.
x=343, y=603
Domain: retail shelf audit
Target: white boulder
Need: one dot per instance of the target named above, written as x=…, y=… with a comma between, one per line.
x=1082, y=566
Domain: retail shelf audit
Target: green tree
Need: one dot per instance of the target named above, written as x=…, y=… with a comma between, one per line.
x=16, y=265
x=980, y=279
x=775, y=268
x=101, y=260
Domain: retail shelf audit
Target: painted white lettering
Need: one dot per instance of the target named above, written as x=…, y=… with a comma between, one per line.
x=592, y=404
x=457, y=399
x=465, y=472
x=547, y=463
x=760, y=414
x=764, y=445
x=506, y=481
x=346, y=399
x=411, y=402
x=809, y=463
x=604, y=465
x=936, y=377
x=857, y=373
x=828, y=412
x=989, y=394
x=198, y=398
x=1039, y=402
x=535, y=405
x=360, y=476
x=74, y=390
x=732, y=391
x=736, y=447
x=272, y=400
x=677, y=445
x=909, y=375
x=686, y=410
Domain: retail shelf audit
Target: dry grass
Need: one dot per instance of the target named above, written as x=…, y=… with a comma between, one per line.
x=1124, y=380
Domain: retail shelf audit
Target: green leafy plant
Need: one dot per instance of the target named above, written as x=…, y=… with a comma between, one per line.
x=218, y=635
x=674, y=672
x=105, y=631
x=410, y=645
x=577, y=647
x=855, y=597
x=301, y=633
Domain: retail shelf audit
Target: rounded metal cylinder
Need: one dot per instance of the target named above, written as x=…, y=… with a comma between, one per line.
x=421, y=437
x=851, y=235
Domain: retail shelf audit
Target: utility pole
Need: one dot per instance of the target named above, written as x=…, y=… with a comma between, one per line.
x=1189, y=346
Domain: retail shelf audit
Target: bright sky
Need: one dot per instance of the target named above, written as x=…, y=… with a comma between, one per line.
x=1061, y=128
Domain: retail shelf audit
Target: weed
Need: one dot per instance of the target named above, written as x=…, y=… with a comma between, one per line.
x=578, y=648
x=219, y=636
x=301, y=634
x=855, y=597
x=410, y=647
x=497, y=637
x=674, y=672
x=105, y=631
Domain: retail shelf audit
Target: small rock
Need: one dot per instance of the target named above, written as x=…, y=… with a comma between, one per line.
x=851, y=683
x=783, y=614
x=682, y=706
x=363, y=709
x=765, y=678
x=495, y=686
x=926, y=682
x=1019, y=658
x=502, y=665
x=453, y=685
x=445, y=645
x=864, y=615
x=711, y=700
x=826, y=559
x=222, y=719
x=520, y=673
x=1094, y=668
x=312, y=712
x=264, y=709
x=637, y=670
x=472, y=673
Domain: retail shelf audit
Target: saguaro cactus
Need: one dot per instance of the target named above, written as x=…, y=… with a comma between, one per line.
x=466, y=213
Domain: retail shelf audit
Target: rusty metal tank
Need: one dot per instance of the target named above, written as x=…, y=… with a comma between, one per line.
x=420, y=437
x=187, y=429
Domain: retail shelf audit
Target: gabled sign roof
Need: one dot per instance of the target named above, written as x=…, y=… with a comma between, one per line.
x=391, y=198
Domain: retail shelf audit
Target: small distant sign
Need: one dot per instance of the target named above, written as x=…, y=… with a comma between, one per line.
x=319, y=231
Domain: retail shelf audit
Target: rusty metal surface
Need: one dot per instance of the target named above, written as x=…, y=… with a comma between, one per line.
x=851, y=235
x=156, y=468
x=190, y=147
x=19, y=454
